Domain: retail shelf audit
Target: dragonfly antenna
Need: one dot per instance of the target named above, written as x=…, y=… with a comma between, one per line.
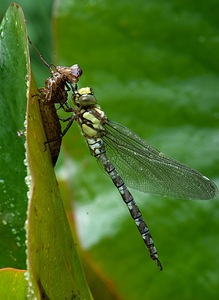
x=40, y=55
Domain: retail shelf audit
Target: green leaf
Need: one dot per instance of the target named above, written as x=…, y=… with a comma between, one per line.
x=13, y=284
x=53, y=264
x=13, y=189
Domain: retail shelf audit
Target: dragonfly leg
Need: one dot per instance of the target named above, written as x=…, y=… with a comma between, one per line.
x=71, y=120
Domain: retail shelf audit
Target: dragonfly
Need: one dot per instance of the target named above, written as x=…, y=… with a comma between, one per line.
x=58, y=84
x=52, y=127
x=54, y=92
x=128, y=159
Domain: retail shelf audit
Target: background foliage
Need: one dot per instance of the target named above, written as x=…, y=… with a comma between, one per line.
x=154, y=68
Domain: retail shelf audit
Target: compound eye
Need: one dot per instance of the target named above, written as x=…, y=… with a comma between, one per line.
x=76, y=71
x=86, y=97
x=87, y=100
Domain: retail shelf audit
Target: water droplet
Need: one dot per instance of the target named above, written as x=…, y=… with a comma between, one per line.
x=25, y=162
x=28, y=181
x=20, y=133
x=18, y=244
x=14, y=231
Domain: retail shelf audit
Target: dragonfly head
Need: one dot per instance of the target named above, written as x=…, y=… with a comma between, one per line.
x=85, y=97
x=70, y=74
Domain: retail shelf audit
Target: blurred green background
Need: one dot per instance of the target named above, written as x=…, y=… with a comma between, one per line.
x=154, y=68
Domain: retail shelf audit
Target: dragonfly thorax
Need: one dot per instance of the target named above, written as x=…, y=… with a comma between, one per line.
x=88, y=114
x=92, y=122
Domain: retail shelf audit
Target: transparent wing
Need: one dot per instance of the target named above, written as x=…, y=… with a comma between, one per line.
x=144, y=168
